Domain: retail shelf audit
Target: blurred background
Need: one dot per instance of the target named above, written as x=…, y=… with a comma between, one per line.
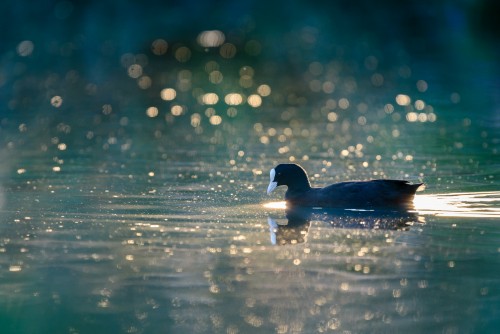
x=206, y=67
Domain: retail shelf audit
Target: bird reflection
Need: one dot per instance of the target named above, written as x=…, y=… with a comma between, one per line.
x=299, y=220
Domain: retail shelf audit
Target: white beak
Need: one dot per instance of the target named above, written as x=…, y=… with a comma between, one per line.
x=272, y=184
x=271, y=187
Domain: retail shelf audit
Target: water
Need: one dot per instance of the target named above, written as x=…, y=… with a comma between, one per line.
x=158, y=241
x=133, y=178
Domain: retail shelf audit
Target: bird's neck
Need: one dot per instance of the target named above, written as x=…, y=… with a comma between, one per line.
x=300, y=185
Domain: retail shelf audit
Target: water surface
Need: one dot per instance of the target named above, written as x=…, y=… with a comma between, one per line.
x=152, y=242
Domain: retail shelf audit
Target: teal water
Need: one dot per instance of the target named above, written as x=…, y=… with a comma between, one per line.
x=133, y=173
x=176, y=239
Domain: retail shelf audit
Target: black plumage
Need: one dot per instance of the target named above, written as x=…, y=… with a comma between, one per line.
x=397, y=194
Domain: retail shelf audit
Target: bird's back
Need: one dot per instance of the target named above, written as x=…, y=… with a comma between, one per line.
x=363, y=194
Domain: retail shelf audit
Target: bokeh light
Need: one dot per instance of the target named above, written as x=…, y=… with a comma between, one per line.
x=211, y=38
x=159, y=47
x=254, y=100
x=264, y=90
x=232, y=112
x=195, y=120
x=332, y=116
x=152, y=112
x=177, y=110
x=144, y=82
x=168, y=94
x=328, y=87
x=134, y=71
x=107, y=109
x=422, y=86
x=403, y=100
x=233, y=99
x=215, y=77
x=183, y=54
x=419, y=105
x=56, y=101
x=215, y=120
x=210, y=98
x=228, y=50
x=25, y=48
x=343, y=103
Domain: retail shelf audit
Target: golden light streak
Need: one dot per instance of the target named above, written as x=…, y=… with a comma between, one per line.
x=275, y=205
x=484, y=204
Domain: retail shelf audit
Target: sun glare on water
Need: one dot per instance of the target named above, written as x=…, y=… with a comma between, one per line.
x=479, y=204
x=275, y=205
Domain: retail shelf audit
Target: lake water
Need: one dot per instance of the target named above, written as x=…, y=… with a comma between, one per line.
x=134, y=200
x=177, y=238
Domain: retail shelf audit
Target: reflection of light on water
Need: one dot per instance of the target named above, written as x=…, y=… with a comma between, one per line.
x=479, y=204
x=275, y=205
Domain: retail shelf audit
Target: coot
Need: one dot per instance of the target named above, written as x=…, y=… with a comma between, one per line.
x=353, y=195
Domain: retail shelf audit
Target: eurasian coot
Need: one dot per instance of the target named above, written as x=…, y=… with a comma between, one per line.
x=353, y=195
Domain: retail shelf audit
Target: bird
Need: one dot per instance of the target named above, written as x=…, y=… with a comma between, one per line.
x=373, y=194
